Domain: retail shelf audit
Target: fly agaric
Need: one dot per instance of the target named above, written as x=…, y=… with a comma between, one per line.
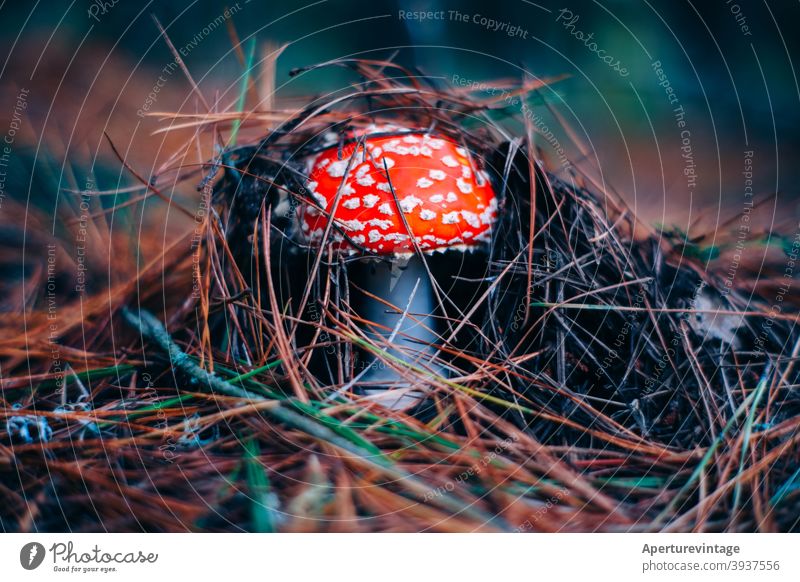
x=405, y=193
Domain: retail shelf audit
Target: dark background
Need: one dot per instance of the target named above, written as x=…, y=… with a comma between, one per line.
x=740, y=92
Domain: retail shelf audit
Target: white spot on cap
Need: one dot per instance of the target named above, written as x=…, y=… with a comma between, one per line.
x=374, y=236
x=471, y=218
x=437, y=175
x=370, y=200
x=411, y=139
x=396, y=237
x=365, y=181
x=376, y=152
x=426, y=151
x=409, y=203
x=464, y=186
x=461, y=152
x=355, y=225
x=389, y=161
x=321, y=200
x=384, y=187
x=359, y=239
x=386, y=209
x=454, y=241
x=450, y=162
x=426, y=214
x=466, y=172
x=436, y=198
x=351, y=203
x=336, y=169
x=487, y=216
x=424, y=183
x=451, y=197
x=362, y=171
x=348, y=190
x=451, y=217
x=312, y=186
x=467, y=234
x=433, y=142
x=382, y=224
x=397, y=149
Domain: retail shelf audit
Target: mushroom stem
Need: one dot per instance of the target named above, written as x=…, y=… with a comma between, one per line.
x=405, y=285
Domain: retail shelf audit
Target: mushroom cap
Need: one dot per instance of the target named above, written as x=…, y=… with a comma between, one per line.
x=446, y=200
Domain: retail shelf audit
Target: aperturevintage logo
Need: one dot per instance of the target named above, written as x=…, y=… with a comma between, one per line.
x=66, y=557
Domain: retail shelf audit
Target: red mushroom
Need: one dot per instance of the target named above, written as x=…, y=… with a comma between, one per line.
x=434, y=199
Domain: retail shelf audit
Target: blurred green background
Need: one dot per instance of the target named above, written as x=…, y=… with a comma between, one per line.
x=730, y=65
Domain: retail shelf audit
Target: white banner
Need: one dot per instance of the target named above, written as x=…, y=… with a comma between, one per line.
x=399, y=557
